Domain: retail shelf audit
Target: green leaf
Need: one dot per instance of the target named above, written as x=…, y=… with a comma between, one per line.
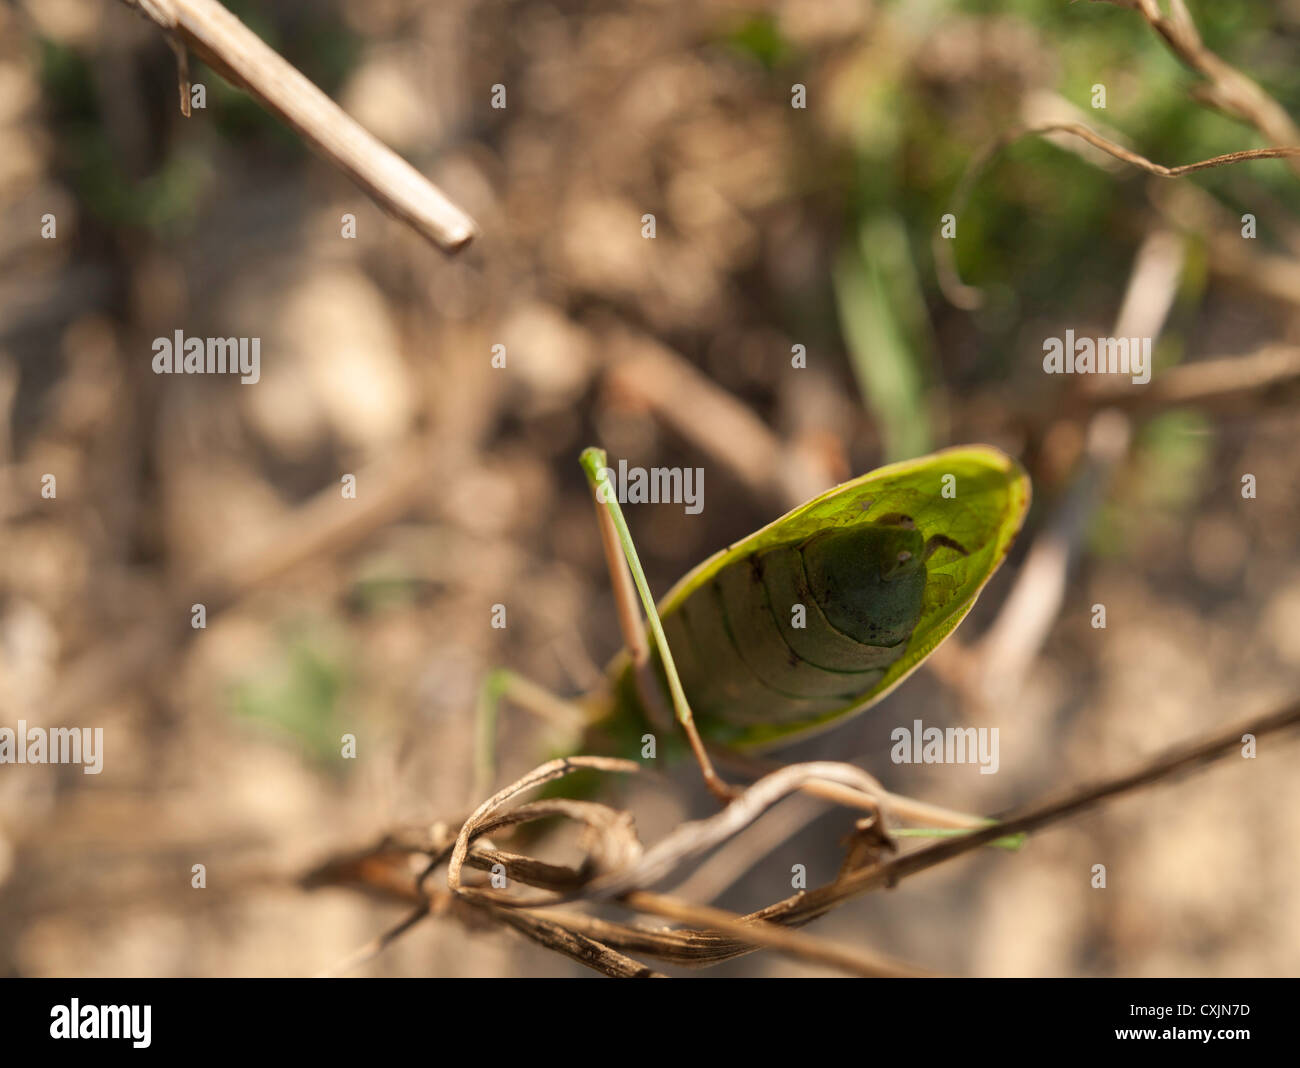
x=989, y=496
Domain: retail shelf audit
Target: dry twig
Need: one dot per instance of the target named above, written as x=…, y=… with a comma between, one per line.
x=233, y=50
x=722, y=935
x=1225, y=87
x=969, y=297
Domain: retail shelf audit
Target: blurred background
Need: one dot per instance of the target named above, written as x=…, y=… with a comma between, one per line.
x=776, y=226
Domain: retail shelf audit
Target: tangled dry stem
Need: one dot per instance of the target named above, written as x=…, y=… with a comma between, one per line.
x=619, y=871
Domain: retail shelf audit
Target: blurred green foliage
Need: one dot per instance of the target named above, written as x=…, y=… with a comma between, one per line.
x=887, y=333
x=1167, y=474
x=759, y=37
x=1048, y=236
x=299, y=698
x=162, y=201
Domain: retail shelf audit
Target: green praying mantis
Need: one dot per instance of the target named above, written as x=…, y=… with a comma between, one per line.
x=809, y=620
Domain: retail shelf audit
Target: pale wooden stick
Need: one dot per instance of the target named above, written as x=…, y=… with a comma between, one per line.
x=232, y=49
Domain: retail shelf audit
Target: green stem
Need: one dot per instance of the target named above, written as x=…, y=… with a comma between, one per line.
x=485, y=732
x=1011, y=842
x=593, y=463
